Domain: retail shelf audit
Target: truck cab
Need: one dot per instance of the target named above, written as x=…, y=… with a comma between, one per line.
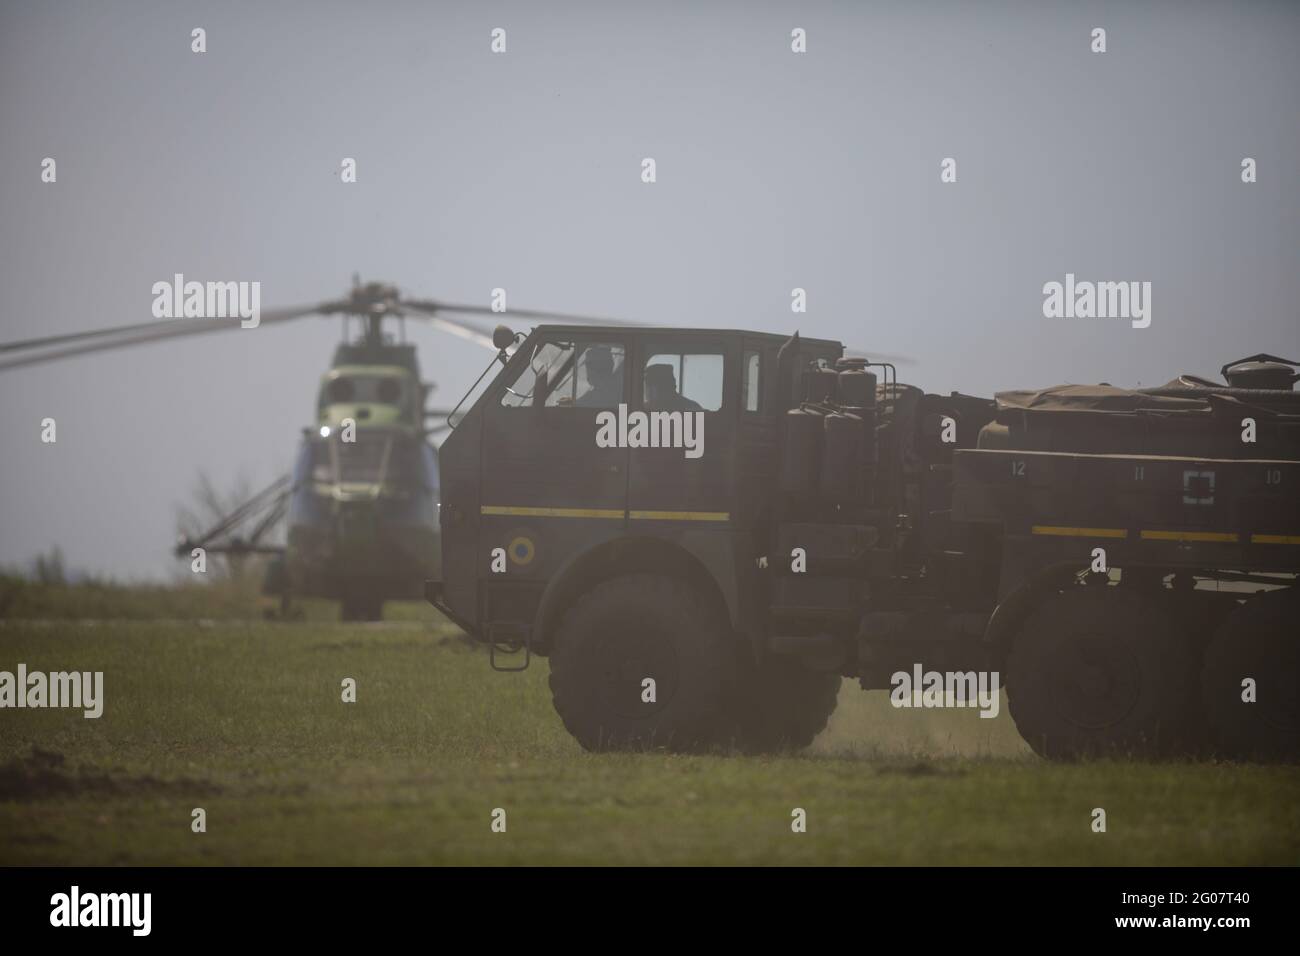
x=600, y=452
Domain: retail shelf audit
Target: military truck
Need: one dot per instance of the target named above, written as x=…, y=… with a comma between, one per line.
x=704, y=531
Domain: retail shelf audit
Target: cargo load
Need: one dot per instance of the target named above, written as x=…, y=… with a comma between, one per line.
x=1187, y=417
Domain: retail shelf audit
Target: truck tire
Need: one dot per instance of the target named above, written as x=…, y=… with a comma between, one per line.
x=783, y=705
x=1258, y=640
x=1098, y=670
x=624, y=631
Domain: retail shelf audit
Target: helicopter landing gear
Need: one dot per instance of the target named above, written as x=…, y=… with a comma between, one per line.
x=277, y=583
x=287, y=610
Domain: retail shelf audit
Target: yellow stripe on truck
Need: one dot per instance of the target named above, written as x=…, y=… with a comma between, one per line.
x=1226, y=537
x=552, y=512
x=681, y=515
x=530, y=512
x=1275, y=539
x=1063, y=532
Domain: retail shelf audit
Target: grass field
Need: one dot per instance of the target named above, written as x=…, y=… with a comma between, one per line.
x=244, y=719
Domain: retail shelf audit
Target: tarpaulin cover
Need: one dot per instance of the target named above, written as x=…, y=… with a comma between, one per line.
x=1093, y=398
x=1105, y=420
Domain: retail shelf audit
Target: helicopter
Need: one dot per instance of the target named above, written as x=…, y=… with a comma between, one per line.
x=361, y=503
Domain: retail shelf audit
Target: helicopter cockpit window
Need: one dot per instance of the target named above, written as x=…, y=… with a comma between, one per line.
x=364, y=388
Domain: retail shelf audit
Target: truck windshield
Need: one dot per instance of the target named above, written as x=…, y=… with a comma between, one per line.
x=569, y=373
x=548, y=365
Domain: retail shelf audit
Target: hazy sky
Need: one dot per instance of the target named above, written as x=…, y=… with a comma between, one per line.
x=522, y=170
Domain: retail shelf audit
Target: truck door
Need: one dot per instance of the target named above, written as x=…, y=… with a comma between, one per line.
x=548, y=490
x=687, y=387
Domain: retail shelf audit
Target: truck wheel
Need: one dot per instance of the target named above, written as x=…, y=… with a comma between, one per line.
x=1099, y=671
x=624, y=632
x=783, y=705
x=1258, y=640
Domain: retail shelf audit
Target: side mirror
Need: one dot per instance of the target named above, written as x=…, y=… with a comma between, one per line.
x=502, y=338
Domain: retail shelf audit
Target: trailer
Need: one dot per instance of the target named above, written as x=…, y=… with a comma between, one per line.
x=705, y=531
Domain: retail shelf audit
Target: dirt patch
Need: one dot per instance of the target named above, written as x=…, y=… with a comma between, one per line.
x=45, y=773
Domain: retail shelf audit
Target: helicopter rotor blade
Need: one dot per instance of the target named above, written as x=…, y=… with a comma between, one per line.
x=566, y=318
x=470, y=331
x=80, y=336
x=452, y=327
x=886, y=357
x=124, y=336
x=459, y=329
x=194, y=325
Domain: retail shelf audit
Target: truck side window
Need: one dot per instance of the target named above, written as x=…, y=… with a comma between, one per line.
x=594, y=379
x=683, y=381
x=749, y=381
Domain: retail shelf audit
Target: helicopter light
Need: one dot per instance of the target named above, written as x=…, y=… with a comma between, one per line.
x=324, y=431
